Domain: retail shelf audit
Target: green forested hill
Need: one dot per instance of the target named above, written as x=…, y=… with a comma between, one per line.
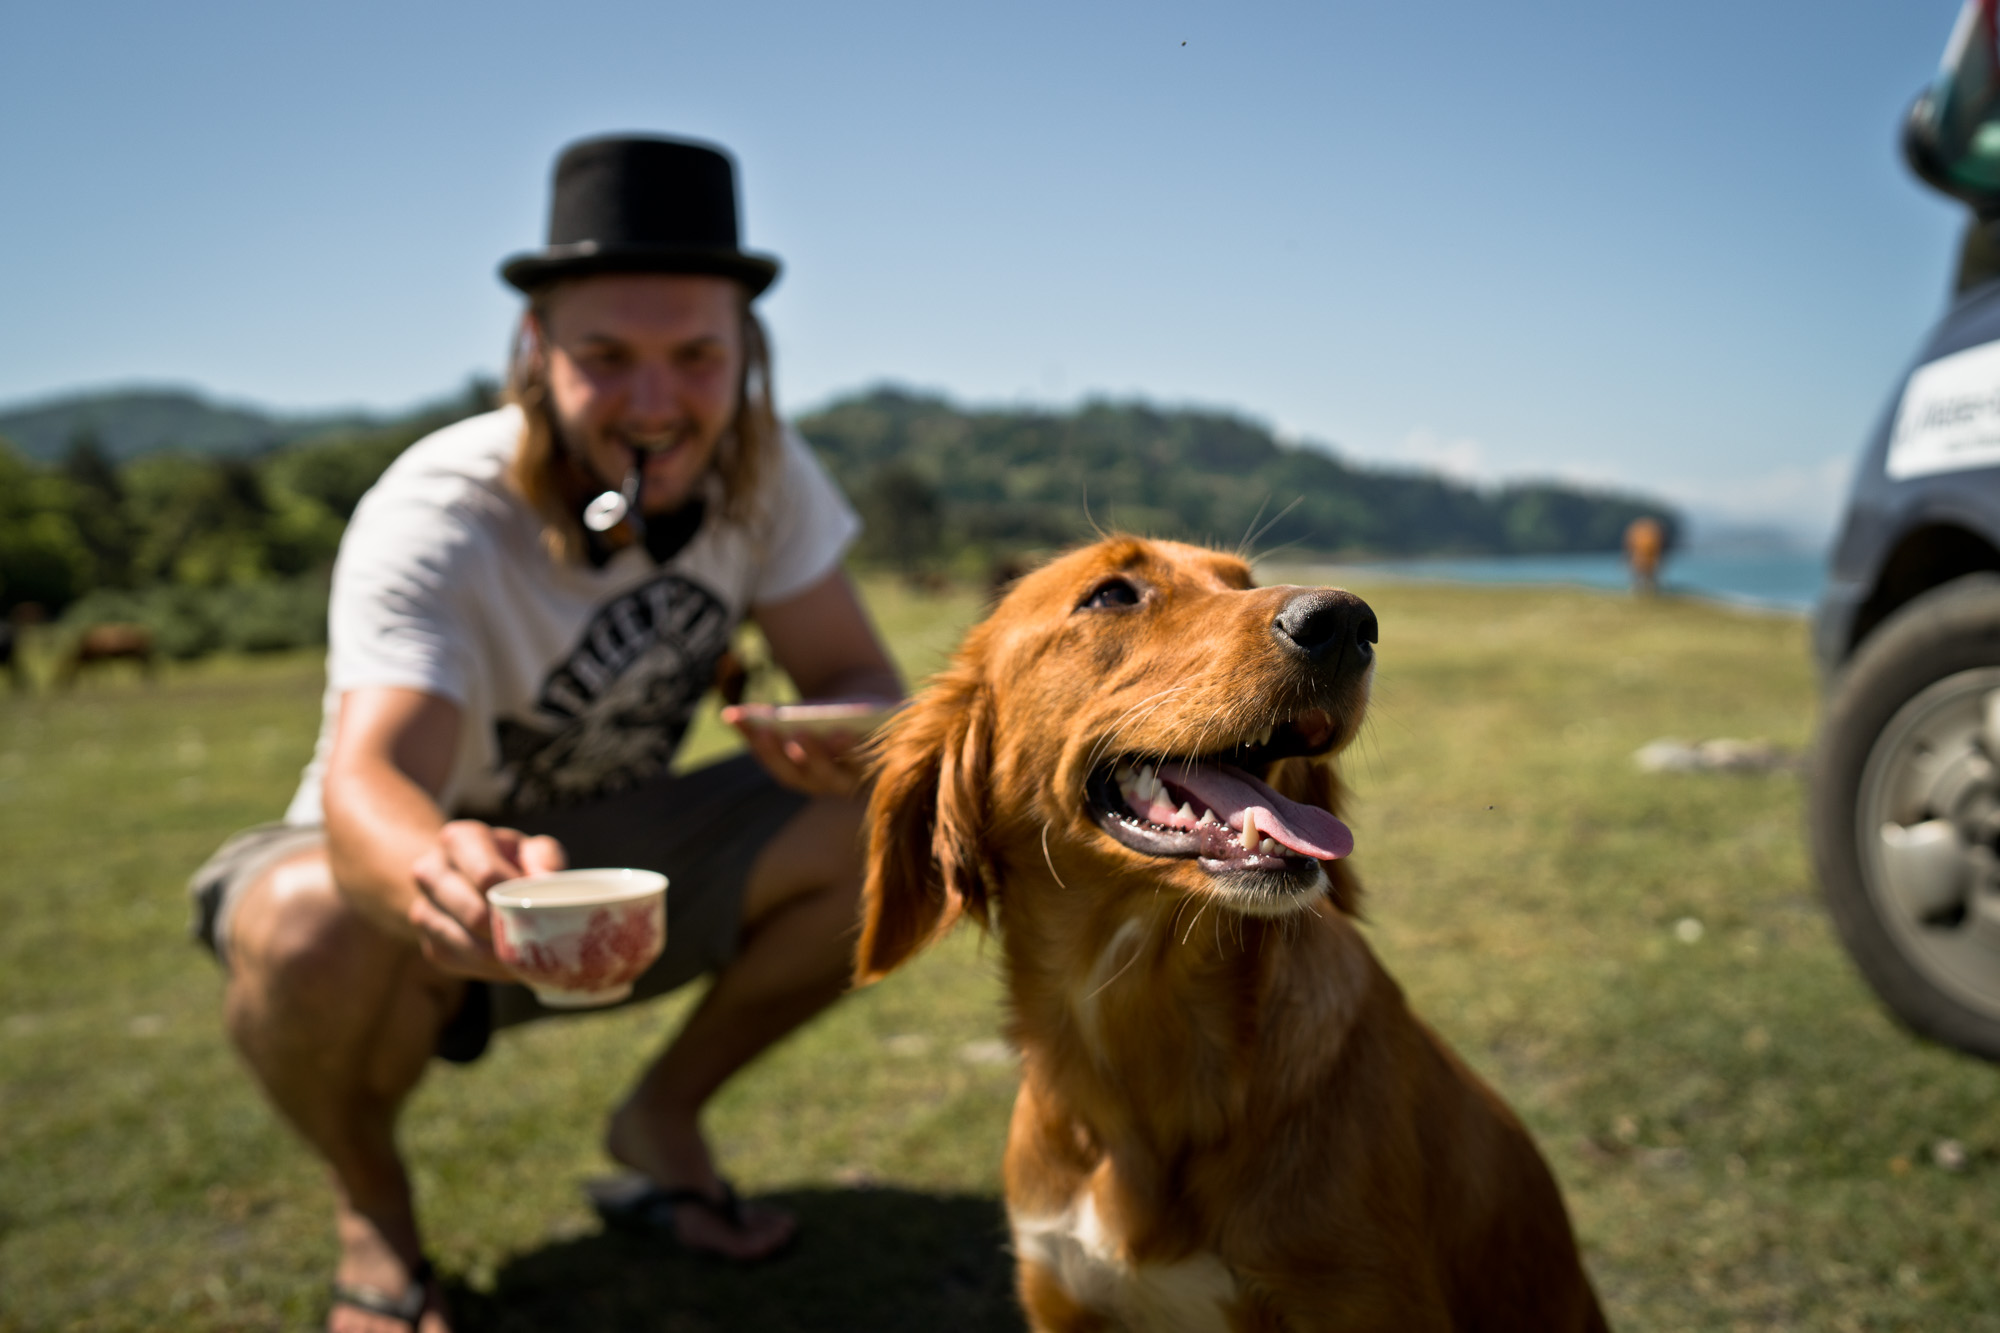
x=171, y=510
x=127, y=423
x=1000, y=478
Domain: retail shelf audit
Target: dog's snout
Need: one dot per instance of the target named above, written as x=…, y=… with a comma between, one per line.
x=1327, y=626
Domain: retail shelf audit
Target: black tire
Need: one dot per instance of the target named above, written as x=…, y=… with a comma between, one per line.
x=1950, y=630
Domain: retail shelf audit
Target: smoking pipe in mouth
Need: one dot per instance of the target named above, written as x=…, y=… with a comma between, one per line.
x=611, y=508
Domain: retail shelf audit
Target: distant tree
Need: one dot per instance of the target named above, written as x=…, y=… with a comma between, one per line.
x=482, y=394
x=903, y=519
x=206, y=521
x=99, y=509
x=336, y=471
x=88, y=466
x=1544, y=517
x=43, y=558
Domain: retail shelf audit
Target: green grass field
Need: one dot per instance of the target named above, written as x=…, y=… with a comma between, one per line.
x=1745, y=1141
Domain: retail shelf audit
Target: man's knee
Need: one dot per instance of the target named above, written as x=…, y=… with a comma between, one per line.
x=293, y=934
x=817, y=854
x=845, y=837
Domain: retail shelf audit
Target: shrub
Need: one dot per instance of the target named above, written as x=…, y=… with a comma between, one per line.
x=187, y=622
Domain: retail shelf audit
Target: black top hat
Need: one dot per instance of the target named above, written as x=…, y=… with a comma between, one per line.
x=631, y=204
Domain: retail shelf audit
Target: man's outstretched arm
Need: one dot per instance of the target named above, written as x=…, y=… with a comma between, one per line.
x=404, y=865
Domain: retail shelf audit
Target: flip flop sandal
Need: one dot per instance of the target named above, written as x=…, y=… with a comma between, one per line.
x=407, y=1308
x=652, y=1209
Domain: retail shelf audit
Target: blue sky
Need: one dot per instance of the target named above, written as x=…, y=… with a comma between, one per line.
x=1664, y=247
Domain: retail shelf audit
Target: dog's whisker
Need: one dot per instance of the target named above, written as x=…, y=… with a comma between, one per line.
x=1250, y=543
x=1152, y=704
x=1050, y=859
x=1089, y=517
x=1138, y=951
x=1281, y=546
x=1119, y=724
x=1370, y=753
x=1132, y=723
x=1243, y=546
x=1195, y=921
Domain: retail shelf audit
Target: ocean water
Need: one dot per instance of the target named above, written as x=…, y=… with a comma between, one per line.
x=1773, y=581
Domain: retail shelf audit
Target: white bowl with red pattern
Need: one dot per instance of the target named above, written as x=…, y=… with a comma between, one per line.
x=580, y=938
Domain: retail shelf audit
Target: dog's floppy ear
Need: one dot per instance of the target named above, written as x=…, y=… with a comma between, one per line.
x=927, y=860
x=1313, y=782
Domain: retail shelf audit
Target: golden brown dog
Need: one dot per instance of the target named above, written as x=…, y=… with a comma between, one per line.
x=1228, y=1117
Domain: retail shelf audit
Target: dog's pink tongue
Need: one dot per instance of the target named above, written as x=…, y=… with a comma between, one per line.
x=1230, y=792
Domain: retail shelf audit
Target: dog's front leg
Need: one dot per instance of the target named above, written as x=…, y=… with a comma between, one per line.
x=1048, y=1168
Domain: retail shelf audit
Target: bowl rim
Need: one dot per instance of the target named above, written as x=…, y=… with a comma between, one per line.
x=631, y=885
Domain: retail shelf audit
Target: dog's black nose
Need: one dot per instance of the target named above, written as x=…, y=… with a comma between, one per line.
x=1326, y=626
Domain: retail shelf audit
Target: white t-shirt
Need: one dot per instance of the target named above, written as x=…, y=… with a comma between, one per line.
x=572, y=682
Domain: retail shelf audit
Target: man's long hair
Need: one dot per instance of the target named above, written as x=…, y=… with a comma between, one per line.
x=551, y=479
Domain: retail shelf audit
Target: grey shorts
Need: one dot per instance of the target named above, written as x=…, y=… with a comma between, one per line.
x=702, y=830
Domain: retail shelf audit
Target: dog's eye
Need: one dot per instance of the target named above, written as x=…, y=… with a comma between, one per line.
x=1111, y=592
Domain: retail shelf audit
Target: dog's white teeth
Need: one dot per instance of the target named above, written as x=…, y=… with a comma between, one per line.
x=1267, y=846
x=1249, y=830
x=1207, y=817
x=1185, y=814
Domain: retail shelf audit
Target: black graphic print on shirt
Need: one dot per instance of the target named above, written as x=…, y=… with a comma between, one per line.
x=613, y=712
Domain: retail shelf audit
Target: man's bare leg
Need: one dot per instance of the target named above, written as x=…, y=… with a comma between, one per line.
x=799, y=920
x=337, y=1021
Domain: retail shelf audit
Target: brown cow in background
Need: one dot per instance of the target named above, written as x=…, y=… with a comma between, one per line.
x=106, y=643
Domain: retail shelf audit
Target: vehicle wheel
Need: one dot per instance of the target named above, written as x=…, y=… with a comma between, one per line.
x=1905, y=810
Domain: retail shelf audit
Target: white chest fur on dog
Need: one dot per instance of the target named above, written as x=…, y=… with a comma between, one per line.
x=1090, y=1264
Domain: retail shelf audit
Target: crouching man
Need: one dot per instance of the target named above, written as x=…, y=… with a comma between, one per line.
x=506, y=686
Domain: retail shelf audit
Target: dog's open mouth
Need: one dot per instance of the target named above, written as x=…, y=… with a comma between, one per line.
x=1215, y=809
